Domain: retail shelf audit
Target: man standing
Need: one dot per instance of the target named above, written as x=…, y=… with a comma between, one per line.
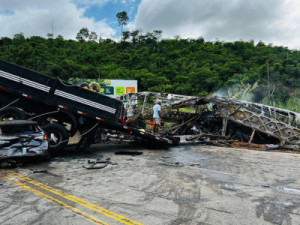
x=157, y=116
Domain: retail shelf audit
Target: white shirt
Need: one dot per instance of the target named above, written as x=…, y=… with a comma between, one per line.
x=156, y=109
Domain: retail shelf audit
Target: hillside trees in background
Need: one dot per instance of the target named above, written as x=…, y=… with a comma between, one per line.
x=182, y=66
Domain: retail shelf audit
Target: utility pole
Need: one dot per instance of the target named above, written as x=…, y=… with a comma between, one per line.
x=52, y=29
x=268, y=72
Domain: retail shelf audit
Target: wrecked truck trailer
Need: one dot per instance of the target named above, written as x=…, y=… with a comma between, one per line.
x=68, y=113
x=278, y=123
x=218, y=119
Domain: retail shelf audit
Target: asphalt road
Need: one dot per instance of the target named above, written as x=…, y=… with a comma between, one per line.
x=208, y=185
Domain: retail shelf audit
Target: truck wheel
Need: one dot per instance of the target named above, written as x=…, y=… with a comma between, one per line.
x=58, y=137
x=12, y=113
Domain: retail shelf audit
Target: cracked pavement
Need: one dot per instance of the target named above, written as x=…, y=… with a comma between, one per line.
x=214, y=186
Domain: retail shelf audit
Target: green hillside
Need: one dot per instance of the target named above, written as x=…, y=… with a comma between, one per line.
x=255, y=72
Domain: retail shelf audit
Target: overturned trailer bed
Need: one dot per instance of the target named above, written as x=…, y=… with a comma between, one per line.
x=62, y=109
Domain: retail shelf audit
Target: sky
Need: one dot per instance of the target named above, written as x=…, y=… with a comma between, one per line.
x=274, y=22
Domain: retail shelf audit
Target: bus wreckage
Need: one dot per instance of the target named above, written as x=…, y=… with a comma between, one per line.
x=216, y=120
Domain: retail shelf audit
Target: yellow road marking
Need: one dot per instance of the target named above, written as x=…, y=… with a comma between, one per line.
x=75, y=199
x=77, y=211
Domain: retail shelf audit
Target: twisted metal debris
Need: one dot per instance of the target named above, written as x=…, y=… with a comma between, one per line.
x=216, y=117
x=279, y=123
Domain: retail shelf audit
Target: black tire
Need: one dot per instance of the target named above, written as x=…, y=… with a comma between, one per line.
x=58, y=137
x=12, y=113
x=237, y=137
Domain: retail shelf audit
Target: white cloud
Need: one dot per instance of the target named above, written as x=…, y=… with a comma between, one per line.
x=33, y=17
x=89, y=3
x=272, y=21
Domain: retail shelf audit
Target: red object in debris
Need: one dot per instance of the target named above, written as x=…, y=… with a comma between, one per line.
x=122, y=121
x=151, y=123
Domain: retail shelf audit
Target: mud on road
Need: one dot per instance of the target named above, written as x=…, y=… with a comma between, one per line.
x=207, y=185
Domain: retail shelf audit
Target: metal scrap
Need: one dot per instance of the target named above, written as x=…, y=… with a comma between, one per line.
x=175, y=164
x=132, y=153
x=97, y=163
x=40, y=171
x=216, y=120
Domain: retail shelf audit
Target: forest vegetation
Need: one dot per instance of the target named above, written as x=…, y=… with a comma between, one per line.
x=259, y=72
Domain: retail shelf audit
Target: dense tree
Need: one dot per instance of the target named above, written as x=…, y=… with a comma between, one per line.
x=134, y=35
x=83, y=34
x=122, y=19
x=50, y=35
x=93, y=36
x=126, y=35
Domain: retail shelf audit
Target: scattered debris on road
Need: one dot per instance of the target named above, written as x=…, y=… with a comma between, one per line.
x=174, y=164
x=195, y=164
x=95, y=164
x=132, y=153
x=98, y=163
x=40, y=171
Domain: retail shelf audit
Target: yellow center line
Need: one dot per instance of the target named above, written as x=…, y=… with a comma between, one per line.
x=77, y=211
x=75, y=199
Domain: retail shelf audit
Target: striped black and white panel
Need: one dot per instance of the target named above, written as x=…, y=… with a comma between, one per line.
x=85, y=101
x=24, y=81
